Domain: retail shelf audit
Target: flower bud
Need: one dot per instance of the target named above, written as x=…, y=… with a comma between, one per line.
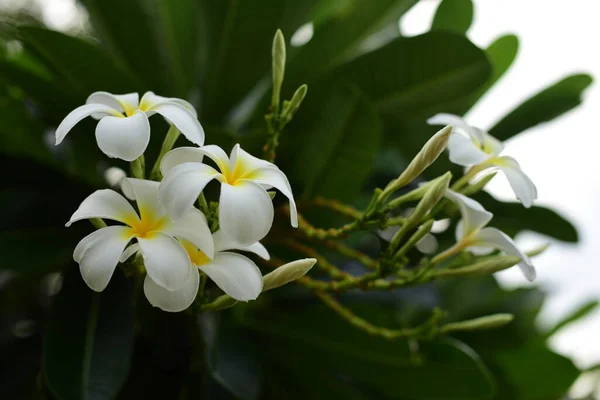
x=287, y=273
x=487, y=322
x=278, y=65
x=290, y=107
x=435, y=192
x=485, y=267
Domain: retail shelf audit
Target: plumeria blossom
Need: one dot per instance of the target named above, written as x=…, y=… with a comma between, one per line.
x=123, y=129
x=245, y=208
x=235, y=274
x=470, y=146
x=166, y=260
x=471, y=233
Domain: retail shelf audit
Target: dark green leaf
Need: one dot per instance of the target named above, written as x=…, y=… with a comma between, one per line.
x=312, y=335
x=543, y=107
x=340, y=35
x=453, y=16
x=157, y=38
x=85, y=67
x=511, y=218
x=332, y=145
x=420, y=76
x=89, y=339
x=581, y=312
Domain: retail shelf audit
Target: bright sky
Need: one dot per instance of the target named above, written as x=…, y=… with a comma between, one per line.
x=554, y=40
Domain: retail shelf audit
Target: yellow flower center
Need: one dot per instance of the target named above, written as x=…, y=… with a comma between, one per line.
x=197, y=256
x=147, y=226
x=240, y=172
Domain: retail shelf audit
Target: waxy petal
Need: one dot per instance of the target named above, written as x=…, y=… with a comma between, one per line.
x=224, y=242
x=166, y=261
x=181, y=187
x=182, y=118
x=130, y=251
x=145, y=194
x=474, y=216
x=492, y=237
x=245, y=212
x=149, y=100
x=521, y=184
x=247, y=162
x=98, y=255
x=123, y=138
x=80, y=113
x=193, y=228
x=236, y=275
x=459, y=125
x=124, y=103
x=217, y=154
x=172, y=301
x=106, y=204
x=274, y=177
x=179, y=156
x=463, y=151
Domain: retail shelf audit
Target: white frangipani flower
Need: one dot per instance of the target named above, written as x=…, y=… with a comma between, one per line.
x=166, y=261
x=123, y=129
x=469, y=146
x=245, y=208
x=471, y=233
x=235, y=274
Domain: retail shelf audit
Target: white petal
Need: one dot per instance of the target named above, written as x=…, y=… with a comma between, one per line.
x=172, y=301
x=474, y=216
x=428, y=244
x=78, y=114
x=217, y=154
x=178, y=156
x=224, y=242
x=166, y=261
x=125, y=103
x=107, y=204
x=276, y=178
x=463, y=151
x=492, y=145
x=495, y=238
x=145, y=194
x=131, y=250
x=149, y=99
x=236, y=275
x=124, y=138
x=193, y=228
x=98, y=255
x=247, y=162
x=245, y=212
x=521, y=184
x=183, y=119
x=460, y=125
x=182, y=185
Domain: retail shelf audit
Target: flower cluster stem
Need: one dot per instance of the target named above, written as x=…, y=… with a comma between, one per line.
x=168, y=143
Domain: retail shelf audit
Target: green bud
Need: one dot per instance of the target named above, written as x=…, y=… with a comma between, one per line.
x=138, y=167
x=477, y=324
x=428, y=154
x=485, y=267
x=415, y=238
x=98, y=223
x=278, y=65
x=477, y=187
x=538, y=250
x=271, y=194
x=435, y=192
x=220, y=303
x=290, y=108
x=287, y=273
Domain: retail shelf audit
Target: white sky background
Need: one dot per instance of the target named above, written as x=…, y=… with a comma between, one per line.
x=560, y=157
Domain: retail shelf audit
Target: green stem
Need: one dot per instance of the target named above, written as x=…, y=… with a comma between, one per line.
x=167, y=145
x=203, y=205
x=138, y=167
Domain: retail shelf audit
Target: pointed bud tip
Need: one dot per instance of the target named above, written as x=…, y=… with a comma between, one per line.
x=287, y=273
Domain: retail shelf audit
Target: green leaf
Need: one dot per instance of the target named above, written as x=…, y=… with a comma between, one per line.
x=420, y=76
x=543, y=107
x=537, y=373
x=313, y=336
x=581, y=312
x=332, y=144
x=511, y=218
x=89, y=339
x=83, y=66
x=158, y=39
x=340, y=35
x=453, y=16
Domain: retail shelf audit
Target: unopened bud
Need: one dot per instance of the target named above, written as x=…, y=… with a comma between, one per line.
x=220, y=303
x=287, y=273
x=478, y=186
x=290, y=107
x=485, y=267
x=278, y=65
x=435, y=192
x=415, y=238
x=428, y=154
x=477, y=324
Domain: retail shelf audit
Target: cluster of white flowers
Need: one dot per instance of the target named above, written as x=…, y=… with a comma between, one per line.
x=171, y=235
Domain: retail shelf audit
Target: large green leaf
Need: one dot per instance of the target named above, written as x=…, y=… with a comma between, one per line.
x=453, y=16
x=159, y=39
x=89, y=339
x=332, y=144
x=420, y=76
x=340, y=35
x=83, y=67
x=544, y=106
x=512, y=218
x=311, y=335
